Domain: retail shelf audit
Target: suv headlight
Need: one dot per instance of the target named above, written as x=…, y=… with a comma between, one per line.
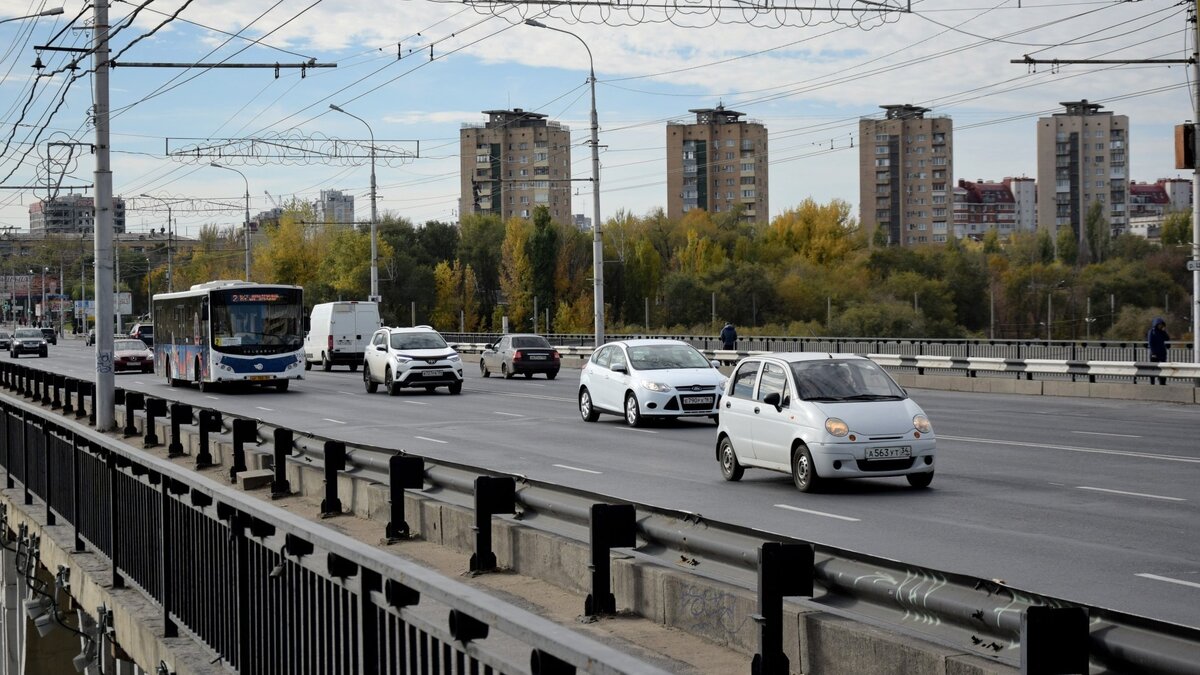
x=402, y=359
x=453, y=358
x=921, y=424
x=655, y=386
x=836, y=427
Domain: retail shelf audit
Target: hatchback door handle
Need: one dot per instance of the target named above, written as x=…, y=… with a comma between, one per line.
x=755, y=410
x=727, y=405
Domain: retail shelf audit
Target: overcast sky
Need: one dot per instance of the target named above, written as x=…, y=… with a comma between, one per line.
x=808, y=76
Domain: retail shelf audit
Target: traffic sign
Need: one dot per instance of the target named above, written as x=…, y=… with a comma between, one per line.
x=1194, y=265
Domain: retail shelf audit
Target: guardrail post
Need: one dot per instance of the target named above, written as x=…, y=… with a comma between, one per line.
x=78, y=442
x=48, y=457
x=544, y=663
x=283, y=448
x=335, y=461
x=612, y=526
x=155, y=408
x=210, y=420
x=133, y=403
x=168, y=489
x=783, y=570
x=243, y=431
x=405, y=472
x=493, y=494
x=114, y=524
x=1054, y=641
x=465, y=628
x=26, y=441
x=69, y=385
x=43, y=382
x=55, y=401
x=181, y=413
x=83, y=390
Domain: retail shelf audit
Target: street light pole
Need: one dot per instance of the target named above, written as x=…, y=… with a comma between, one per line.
x=374, y=219
x=170, y=235
x=44, y=270
x=597, y=239
x=49, y=12
x=246, y=224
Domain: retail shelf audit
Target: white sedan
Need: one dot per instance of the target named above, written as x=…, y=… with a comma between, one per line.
x=822, y=416
x=640, y=379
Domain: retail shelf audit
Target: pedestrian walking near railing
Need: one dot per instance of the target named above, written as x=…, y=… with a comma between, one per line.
x=728, y=336
x=1156, y=342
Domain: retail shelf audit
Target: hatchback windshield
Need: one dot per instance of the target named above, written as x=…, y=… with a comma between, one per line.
x=665, y=357
x=28, y=333
x=530, y=342
x=417, y=341
x=844, y=380
x=129, y=346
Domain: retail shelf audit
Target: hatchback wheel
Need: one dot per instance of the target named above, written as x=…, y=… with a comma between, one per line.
x=804, y=474
x=731, y=469
x=920, y=480
x=371, y=385
x=633, y=413
x=389, y=384
x=586, y=410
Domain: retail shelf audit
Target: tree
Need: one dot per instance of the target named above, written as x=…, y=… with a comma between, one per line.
x=1177, y=229
x=481, y=236
x=543, y=254
x=1097, y=233
x=288, y=254
x=516, y=273
x=1068, y=247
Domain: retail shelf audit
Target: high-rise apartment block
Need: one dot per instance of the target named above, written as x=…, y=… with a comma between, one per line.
x=719, y=164
x=513, y=163
x=906, y=176
x=1007, y=207
x=71, y=214
x=1082, y=159
x=336, y=207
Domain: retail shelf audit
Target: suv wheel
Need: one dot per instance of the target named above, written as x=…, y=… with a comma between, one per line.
x=389, y=384
x=456, y=388
x=371, y=385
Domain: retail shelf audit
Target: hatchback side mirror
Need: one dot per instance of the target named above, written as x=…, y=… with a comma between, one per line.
x=715, y=363
x=774, y=399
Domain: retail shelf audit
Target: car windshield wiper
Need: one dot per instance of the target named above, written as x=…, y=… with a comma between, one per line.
x=824, y=399
x=872, y=397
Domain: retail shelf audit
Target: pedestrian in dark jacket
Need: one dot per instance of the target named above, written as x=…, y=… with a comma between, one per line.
x=1156, y=342
x=728, y=336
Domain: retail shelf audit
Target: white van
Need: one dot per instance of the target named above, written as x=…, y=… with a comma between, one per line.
x=338, y=333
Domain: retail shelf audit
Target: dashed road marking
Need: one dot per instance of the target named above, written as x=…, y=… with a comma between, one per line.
x=348, y=393
x=1169, y=580
x=1072, y=448
x=497, y=412
x=643, y=431
x=575, y=468
x=416, y=402
x=1101, y=433
x=1130, y=494
x=431, y=440
x=259, y=407
x=334, y=421
x=817, y=513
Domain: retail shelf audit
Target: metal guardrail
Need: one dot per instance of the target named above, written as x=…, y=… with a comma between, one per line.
x=978, y=615
x=268, y=591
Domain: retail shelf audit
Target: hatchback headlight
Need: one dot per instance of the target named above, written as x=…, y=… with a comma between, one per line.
x=921, y=424
x=655, y=386
x=836, y=427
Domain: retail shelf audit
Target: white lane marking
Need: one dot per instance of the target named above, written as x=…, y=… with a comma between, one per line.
x=431, y=440
x=259, y=407
x=1169, y=580
x=1130, y=494
x=497, y=412
x=1098, y=451
x=348, y=393
x=334, y=421
x=416, y=402
x=575, y=468
x=1101, y=433
x=213, y=398
x=816, y=513
x=643, y=431
x=1058, y=484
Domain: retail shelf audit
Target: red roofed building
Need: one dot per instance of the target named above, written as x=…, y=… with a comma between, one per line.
x=1007, y=207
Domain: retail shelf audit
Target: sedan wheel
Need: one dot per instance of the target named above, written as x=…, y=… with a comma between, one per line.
x=371, y=385
x=483, y=369
x=804, y=474
x=731, y=469
x=920, y=480
x=507, y=373
x=633, y=413
x=586, y=410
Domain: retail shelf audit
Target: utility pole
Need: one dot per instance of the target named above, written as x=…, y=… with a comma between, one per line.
x=103, y=231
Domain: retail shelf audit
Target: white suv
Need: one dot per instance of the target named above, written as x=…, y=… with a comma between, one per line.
x=411, y=357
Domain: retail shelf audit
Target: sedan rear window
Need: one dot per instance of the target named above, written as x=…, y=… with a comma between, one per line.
x=417, y=341
x=844, y=380
x=530, y=342
x=664, y=357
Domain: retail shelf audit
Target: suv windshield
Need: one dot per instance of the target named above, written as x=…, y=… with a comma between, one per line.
x=844, y=380
x=28, y=333
x=417, y=341
x=665, y=357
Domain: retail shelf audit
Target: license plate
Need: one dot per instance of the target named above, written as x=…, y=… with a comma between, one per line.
x=257, y=378
x=431, y=373
x=899, y=452
x=697, y=400
x=537, y=357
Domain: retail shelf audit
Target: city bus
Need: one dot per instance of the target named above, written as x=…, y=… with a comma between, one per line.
x=230, y=332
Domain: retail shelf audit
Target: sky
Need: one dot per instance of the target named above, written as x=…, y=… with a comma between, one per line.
x=416, y=71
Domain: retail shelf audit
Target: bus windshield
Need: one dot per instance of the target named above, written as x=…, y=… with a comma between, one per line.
x=246, y=321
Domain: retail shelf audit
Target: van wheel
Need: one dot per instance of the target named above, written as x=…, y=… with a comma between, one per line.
x=326, y=365
x=353, y=367
x=307, y=364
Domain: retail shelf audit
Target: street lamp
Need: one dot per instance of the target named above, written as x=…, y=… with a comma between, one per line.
x=374, y=250
x=44, y=270
x=246, y=226
x=49, y=12
x=170, y=281
x=597, y=241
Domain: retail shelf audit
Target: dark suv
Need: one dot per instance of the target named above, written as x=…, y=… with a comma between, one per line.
x=143, y=332
x=28, y=341
x=50, y=334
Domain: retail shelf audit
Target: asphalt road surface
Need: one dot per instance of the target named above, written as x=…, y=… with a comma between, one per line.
x=1092, y=501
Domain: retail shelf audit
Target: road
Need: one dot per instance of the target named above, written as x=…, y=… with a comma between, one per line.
x=1088, y=500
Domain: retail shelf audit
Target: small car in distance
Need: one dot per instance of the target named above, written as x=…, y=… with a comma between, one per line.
x=28, y=341
x=5, y=339
x=132, y=354
x=649, y=378
x=143, y=332
x=520, y=354
x=50, y=335
x=91, y=337
x=819, y=417
x=411, y=357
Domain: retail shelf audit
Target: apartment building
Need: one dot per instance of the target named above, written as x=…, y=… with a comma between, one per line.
x=906, y=176
x=1008, y=206
x=719, y=164
x=335, y=206
x=1082, y=159
x=70, y=214
x=513, y=163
